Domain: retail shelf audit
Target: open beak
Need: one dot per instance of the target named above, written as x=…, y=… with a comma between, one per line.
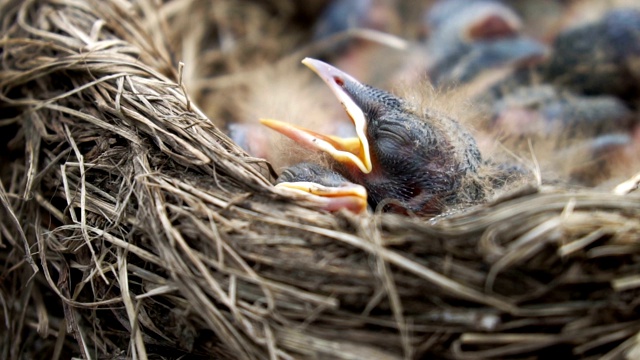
x=348, y=196
x=349, y=151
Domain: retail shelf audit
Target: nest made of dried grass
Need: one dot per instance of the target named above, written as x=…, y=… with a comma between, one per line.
x=132, y=227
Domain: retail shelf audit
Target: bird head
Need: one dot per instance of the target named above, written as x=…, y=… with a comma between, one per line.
x=419, y=159
x=324, y=187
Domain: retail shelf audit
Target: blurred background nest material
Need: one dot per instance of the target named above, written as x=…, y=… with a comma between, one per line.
x=139, y=218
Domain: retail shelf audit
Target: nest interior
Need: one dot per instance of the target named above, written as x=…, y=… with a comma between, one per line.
x=132, y=227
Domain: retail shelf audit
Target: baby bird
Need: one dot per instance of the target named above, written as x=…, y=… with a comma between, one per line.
x=323, y=186
x=602, y=57
x=470, y=37
x=419, y=161
x=580, y=104
x=597, y=58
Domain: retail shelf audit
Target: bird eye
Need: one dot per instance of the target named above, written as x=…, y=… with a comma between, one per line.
x=393, y=132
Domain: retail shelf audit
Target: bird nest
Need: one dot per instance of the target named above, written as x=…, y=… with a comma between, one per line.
x=132, y=227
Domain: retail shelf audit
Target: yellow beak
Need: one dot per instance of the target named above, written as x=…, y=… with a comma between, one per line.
x=352, y=151
x=349, y=196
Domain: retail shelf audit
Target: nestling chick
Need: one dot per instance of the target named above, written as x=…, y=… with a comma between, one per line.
x=598, y=58
x=580, y=103
x=324, y=186
x=421, y=161
x=470, y=37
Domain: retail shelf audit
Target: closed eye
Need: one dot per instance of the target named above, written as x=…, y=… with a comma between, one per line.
x=396, y=133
